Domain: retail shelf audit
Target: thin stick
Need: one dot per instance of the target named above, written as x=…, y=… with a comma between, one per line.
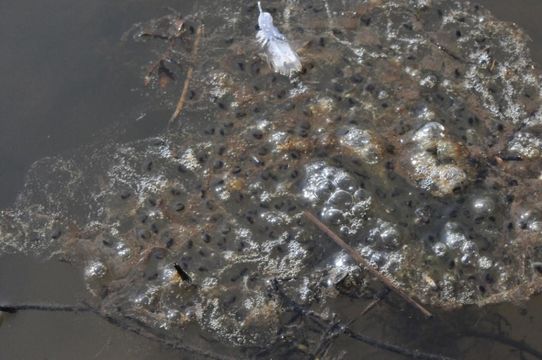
x=124, y=322
x=371, y=305
x=364, y=264
x=520, y=345
x=182, y=99
x=137, y=327
x=413, y=354
x=45, y=307
x=375, y=302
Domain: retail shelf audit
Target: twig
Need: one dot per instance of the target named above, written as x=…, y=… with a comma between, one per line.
x=364, y=264
x=166, y=54
x=413, y=354
x=182, y=99
x=125, y=323
x=136, y=326
x=46, y=307
x=371, y=305
x=520, y=345
x=334, y=329
x=104, y=346
x=448, y=51
x=375, y=302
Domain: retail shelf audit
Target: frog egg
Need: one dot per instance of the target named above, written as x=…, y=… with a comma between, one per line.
x=429, y=81
x=469, y=252
x=526, y=145
x=530, y=220
x=122, y=250
x=340, y=199
x=440, y=249
x=332, y=215
x=95, y=270
x=452, y=236
x=169, y=274
x=384, y=235
x=362, y=195
x=428, y=134
x=483, y=206
x=378, y=258
x=172, y=316
x=317, y=189
x=341, y=261
x=427, y=114
x=361, y=143
x=535, y=226
x=345, y=182
x=340, y=267
x=485, y=263
x=147, y=298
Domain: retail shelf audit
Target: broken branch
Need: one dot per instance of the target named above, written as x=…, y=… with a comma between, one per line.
x=364, y=264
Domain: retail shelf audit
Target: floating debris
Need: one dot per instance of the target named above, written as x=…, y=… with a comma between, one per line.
x=182, y=274
x=281, y=56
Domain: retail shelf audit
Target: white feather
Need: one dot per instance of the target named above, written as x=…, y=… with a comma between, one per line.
x=281, y=56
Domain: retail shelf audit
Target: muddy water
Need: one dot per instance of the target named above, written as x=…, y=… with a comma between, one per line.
x=69, y=81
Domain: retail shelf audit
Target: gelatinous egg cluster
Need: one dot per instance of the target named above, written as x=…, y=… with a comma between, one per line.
x=413, y=131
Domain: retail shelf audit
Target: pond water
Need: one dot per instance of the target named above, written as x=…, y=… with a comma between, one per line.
x=70, y=81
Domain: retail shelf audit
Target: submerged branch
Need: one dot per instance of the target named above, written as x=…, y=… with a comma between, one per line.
x=334, y=329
